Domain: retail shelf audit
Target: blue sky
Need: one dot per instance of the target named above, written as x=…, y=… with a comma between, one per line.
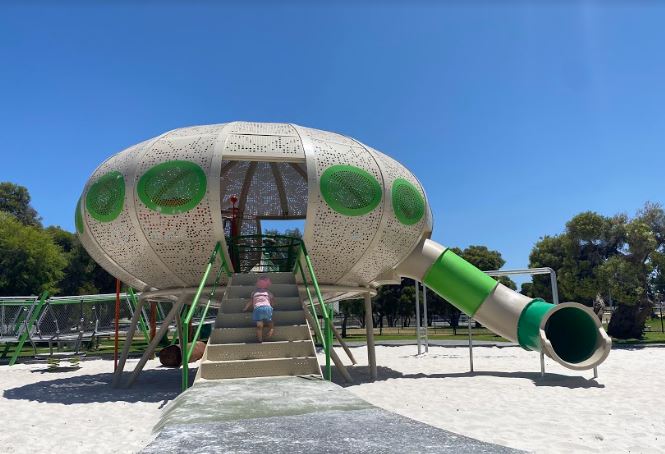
x=514, y=115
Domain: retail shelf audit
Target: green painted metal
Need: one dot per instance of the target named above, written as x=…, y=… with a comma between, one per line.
x=528, y=326
x=172, y=187
x=317, y=326
x=459, y=282
x=143, y=325
x=106, y=197
x=78, y=218
x=36, y=312
x=408, y=203
x=325, y=311
x=577, y=348
x=184, y=342
x=350, y=190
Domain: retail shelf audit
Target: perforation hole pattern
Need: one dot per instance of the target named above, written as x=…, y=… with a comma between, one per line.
x=395, y=239
x=408, y=204
x=335, y=241
x=182, y=241
x=106, y=196
x=172, y=187
x=350, y=190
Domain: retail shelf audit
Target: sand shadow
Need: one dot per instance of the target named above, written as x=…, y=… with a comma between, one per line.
x=154, y=385
x=360, y=374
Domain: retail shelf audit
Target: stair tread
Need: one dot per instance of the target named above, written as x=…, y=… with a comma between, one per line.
x=259, y=360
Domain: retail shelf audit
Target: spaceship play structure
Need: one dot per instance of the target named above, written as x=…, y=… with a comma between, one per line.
x=179, y=217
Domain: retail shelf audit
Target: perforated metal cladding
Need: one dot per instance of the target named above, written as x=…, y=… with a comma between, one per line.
x=204, y=130
x=350, y=190
x=118, y=245
x=394, y=240
x=172, y=187
x=182, y=241
x=269, y=129
x=335, y=241
x=264, y=189
x=263, y=147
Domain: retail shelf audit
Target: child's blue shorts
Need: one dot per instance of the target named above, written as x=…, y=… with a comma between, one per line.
x=262, y=314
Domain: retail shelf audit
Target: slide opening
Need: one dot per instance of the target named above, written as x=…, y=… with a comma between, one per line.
x=573, y=334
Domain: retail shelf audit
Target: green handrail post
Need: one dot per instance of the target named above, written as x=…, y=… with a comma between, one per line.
x=186, y=351
x=317, y=325
x=324, y=311
x=28, y=326
x=142, y=324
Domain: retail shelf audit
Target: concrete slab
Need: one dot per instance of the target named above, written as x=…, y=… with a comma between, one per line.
x=294, y=415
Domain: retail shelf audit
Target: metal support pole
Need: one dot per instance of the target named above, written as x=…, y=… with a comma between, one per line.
x=369, y=329
x=542, y=364
x=117, y=324
x=470, y=347
x=425, y=316
x=595, y=372
x=128, y=342
x=420, y=348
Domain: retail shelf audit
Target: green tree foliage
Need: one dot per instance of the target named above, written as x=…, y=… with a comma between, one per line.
x=30, y=262
x=618, y=258
x=15, y=200
x=82, y=275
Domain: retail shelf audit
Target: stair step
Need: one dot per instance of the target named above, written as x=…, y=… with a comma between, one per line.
x=244, y=319
x=251, y=278
x=285, y=303
x=212, y=370
x=244, y=351
x=245, y=291
x=238, y=335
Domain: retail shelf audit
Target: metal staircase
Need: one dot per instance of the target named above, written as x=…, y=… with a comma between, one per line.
x=233, y=351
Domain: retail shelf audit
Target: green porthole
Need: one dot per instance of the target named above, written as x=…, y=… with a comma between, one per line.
x=172, y=187
x=78, y=217
x=408, y=204
x=349, y=190
x=106, y=197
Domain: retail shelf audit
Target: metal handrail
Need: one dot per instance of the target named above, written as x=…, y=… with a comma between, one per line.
x=186, y=350
x=325, y=335
x=28, y=322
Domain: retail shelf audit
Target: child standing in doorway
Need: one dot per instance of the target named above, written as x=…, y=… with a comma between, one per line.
x=262, y=300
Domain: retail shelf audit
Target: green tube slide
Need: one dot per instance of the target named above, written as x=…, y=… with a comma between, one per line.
x=569, y=333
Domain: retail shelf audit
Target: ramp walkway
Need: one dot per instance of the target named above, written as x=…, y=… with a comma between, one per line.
x=294, y=415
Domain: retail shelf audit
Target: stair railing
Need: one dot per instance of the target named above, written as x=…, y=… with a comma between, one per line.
x=325, y=335
x=186, y=347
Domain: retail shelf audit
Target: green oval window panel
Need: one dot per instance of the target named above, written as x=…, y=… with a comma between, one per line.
x=106, y=197
x=172, y=187
x=78, y=217
x=408, y=204
x=349, y=190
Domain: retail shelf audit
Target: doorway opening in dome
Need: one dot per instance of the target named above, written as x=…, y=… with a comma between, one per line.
x=259, y=197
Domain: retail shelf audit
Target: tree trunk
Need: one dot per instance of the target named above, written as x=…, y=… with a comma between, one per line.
x=627, y=322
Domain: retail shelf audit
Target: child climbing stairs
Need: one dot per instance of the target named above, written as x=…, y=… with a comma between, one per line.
x=233, y=351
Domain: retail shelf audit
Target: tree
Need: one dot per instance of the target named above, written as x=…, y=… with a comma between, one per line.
x=351, y=308
x=82, y=275
x=15, y=200
x=615, y=258
x=30, y=262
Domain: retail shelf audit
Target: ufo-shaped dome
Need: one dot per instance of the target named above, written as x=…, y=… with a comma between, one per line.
x=151, y=214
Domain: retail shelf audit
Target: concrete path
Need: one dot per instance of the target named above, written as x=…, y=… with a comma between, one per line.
x=294, y=415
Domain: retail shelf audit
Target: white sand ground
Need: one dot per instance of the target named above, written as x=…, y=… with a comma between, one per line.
x=78, y=411
x=505, y=402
